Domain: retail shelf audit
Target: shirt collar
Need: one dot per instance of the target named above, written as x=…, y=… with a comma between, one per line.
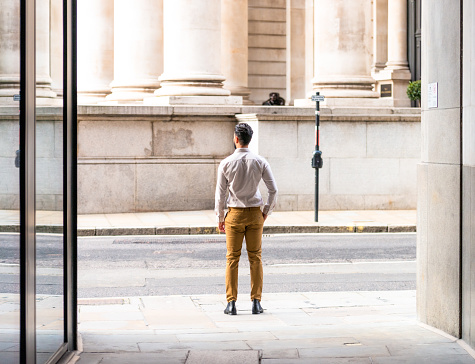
x=242, y=150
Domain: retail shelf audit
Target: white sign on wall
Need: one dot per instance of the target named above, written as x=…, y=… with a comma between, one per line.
x=432, y=96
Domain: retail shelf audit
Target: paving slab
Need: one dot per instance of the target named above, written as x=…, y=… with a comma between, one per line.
x=309, y=327
x=220, y=357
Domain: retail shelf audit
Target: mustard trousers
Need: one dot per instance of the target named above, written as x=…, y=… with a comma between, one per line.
x=243, y=223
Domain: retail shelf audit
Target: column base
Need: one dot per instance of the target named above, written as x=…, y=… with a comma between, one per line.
x=397, y=81
x=130, y=92
x=344, y=102
x=345, y=91
x=242, y=91
x=192, y=100
x=92, y=96
x=127, y=97
x=6, y=97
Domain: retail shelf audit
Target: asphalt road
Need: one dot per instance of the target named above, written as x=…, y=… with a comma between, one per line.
x=133, y=266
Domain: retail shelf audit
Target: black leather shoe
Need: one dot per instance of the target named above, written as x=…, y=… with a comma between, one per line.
x=231, y=308
x=256, y=307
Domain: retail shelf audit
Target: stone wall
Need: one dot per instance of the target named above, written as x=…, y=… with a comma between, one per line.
x=162, y=158
x=49, y=159
x=139, y=158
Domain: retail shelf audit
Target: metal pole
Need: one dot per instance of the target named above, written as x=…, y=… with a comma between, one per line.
x=317, y=148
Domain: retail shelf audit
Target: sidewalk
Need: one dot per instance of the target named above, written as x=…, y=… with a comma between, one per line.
x=296, y=328
x=204, y=222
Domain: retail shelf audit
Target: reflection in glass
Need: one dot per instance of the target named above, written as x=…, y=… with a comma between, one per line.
x=9, y=182
x=49, y=180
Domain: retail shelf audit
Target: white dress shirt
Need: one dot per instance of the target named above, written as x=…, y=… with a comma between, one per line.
x=240, y=174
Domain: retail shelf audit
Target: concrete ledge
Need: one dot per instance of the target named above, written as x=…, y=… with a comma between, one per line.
x=86, y=232
x=330, y=229
x=197, y=230
x=371, y=229
x=402, y=229
x=9, y=228
x=172, y=230
x=49, y=229
x=113, y=231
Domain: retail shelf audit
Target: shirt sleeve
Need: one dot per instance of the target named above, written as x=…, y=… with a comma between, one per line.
x=269, y=181
x=220, y=196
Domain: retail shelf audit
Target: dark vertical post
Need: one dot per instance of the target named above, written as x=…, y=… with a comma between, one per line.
x=317, y=161
x=70, y=170
x=317, y=148
x=27, y=182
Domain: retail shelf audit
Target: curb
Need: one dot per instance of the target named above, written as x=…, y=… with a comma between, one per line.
x=209, y=230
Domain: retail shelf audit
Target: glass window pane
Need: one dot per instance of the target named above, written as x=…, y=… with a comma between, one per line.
x=9, y=182
x=49, y=179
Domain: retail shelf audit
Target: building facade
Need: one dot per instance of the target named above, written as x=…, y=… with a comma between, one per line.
x=160, y=50
x=162, y=84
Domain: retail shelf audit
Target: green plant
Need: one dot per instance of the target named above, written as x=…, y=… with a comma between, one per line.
x=414, y=90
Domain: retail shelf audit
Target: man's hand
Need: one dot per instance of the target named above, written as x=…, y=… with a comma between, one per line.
x=221, y=227
x=264, y=216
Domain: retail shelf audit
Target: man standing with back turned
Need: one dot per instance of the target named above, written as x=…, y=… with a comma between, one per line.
x=240, y=174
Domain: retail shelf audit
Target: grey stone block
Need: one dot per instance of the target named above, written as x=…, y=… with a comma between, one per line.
x=45, y=139
x=175, y=187
x=204, y=230
x=9, y=228
x=329, y=229
x=9, y=176
x=10, y=201
x=343, y=140
x=193, y=138
x=114, y=138
x=351, y=176
x=402, y=228
x=371, y=229
x=50, y=229
x=172, y=230
x=394, y=140
x=115, y=231
x=443, y=253
x=9, y=137
x=86, y=232
x=441, y=129
x=274, y=139
x=104, y=188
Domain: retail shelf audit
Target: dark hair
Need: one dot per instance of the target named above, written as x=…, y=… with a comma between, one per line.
x=244, y=133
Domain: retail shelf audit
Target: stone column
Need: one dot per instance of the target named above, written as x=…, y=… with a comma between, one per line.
x=95, y=49
x=343, y=50
x=397, y=35
x=192, y=54
x=396, y=74
x=44, y=94
x=9, y=51
x=57, y=46
x=296, y=51
x=138, y=49
x=234, y=46
x=380, y=37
